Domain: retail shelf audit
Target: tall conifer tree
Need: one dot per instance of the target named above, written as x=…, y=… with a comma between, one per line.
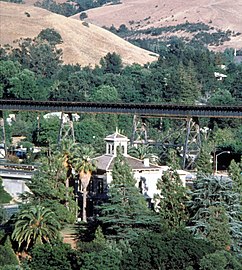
x=171, y=200
x=126, y=213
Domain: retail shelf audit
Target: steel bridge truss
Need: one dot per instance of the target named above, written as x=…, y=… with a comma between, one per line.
x=189, y=148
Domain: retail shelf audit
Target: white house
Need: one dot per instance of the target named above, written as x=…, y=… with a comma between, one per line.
x=145, y=173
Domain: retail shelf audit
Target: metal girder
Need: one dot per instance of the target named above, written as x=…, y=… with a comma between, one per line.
x=66, y=128
x=139, y=130
x=124, y=108
x=192, y=145
x=3, y=132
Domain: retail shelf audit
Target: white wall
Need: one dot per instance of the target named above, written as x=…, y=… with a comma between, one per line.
x=15, y=187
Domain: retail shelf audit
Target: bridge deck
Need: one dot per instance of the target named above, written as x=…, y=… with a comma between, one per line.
x=124, y=108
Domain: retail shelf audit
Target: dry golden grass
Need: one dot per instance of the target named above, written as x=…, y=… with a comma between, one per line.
x=224, y=14
x=81, y=44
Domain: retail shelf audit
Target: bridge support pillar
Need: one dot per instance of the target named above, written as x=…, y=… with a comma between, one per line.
x=192, y=144
x=3, y=134
x=139, y=132
x=66, y=128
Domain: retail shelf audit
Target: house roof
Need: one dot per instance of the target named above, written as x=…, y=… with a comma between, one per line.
x=115, y=136
x=106, y=162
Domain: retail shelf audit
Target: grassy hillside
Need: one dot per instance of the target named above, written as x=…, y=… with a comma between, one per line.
x=83, y=43
x=143, y=14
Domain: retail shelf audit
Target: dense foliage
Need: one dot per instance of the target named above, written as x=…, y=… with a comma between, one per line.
x=125, y=215
x=131, y=236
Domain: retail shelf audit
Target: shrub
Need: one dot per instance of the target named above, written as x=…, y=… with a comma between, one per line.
x=83, y=15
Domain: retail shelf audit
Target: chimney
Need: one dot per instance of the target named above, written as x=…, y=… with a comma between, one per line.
x=146, y=162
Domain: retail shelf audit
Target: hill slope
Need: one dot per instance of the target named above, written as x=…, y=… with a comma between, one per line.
x=141, y=14
x=81, y=44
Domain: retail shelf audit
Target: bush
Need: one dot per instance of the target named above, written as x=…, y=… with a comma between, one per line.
x=166, y=251
x=53, y=256
x=83, y=15
x=7, y=256
x=51, y=35
x=219, y=260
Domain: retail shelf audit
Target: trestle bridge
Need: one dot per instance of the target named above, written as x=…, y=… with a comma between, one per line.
x=161, y=110
x=190, y=113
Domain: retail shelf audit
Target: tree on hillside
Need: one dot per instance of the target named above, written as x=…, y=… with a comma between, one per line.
x=35, y=224
x=171, y=200
x=47, y=132
x=50, y=35
x=222, y=97
x=17, y=82
x=126, y=214
x=39, y=56
x=189, y=88
x=111, y=63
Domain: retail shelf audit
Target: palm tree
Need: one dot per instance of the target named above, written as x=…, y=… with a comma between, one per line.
x=66, y=154
x=36, y=224
x=84, y=166
x=143, y=151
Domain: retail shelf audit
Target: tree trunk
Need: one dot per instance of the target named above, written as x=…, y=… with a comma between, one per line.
x=84, y=205
x=85, y=179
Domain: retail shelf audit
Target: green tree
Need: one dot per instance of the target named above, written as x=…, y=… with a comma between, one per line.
x=16, y=82
x=48, y=131
x=171, y=200
x=126, y=214
x=105, y=93
x=235, y=170
x=3, y=217
x=166, y=250
x=111, y=63
x=51, y=35
x=189, y=89
x=35, y=224
x=204, y=164
x=173, y=160
x=218, y=232
x=142, y=151
x=66, y=154
x=7, y=255
x=222, y=97
x=53, y=256
x=91, y=132
x=219, y=260
x=99, y=254
x=48, y=187
x=38, y=56
x=214, y=202
x=84, y=166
